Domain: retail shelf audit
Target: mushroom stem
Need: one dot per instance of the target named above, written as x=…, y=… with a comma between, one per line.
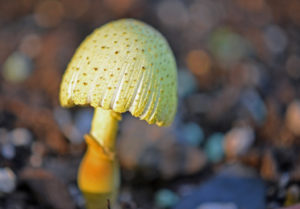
x=98, y=176
x=104, y=128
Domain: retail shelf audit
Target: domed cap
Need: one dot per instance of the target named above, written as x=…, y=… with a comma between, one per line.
x=124, y=65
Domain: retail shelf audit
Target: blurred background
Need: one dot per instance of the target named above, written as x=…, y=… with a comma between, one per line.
x=235, y=139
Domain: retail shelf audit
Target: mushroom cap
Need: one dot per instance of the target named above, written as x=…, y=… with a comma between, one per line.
x=125, y=65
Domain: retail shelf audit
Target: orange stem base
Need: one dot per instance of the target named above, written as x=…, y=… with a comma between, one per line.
x=98, y=176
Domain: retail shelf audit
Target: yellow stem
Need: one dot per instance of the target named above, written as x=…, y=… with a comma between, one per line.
x=98, y=176
x=104, y=127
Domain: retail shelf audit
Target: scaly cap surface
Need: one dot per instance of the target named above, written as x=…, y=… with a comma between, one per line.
x=125, y=65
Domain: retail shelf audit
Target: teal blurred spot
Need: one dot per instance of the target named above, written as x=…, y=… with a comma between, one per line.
x=193, y=134
x=186, y=83
x=255, y=105
x=17, y=67
x=165, y=198
x=214, y=147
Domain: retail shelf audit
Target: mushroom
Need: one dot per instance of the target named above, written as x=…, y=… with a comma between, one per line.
x=125, y=65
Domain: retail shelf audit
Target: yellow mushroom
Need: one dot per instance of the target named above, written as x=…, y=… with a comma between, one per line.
x=125, y=65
